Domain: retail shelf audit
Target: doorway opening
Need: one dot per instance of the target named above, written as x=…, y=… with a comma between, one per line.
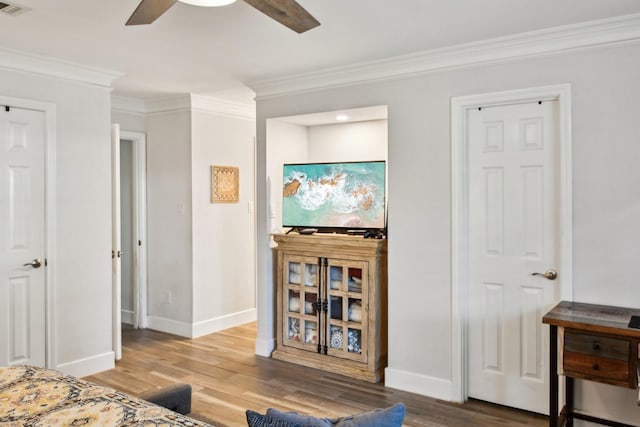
x=130, y=305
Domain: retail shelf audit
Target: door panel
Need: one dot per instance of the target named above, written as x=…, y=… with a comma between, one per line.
x=22, y=231
x=512, y=234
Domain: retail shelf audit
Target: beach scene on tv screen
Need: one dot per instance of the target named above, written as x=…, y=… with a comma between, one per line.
x=345, y=195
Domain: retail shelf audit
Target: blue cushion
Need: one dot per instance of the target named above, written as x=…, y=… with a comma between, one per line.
x=389, y=417
x=255, y=419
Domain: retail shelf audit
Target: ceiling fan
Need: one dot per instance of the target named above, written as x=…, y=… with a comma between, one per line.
x=287, y=12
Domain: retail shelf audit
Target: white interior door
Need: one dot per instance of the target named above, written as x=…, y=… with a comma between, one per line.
x=513, y=233
x=22, y=233
x=116, y=241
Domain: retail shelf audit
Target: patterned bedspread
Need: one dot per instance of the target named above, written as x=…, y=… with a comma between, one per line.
x=36, y=397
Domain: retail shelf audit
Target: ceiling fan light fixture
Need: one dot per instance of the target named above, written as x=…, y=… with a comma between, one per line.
x=208, y=3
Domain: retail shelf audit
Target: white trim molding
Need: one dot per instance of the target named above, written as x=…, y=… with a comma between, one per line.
x=436, y=388
x=264, y=347
x=52, y=67
x=123, y=104
x=88, y=366
x=170, y=326
x=221, y=107
x=187, y=102
x=592, y=34
x=127, y=316
x=198, y=329
x=459, y=209
x=223, y=322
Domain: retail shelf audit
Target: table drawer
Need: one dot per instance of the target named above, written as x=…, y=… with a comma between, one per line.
x=596, y=367
x=595, y=345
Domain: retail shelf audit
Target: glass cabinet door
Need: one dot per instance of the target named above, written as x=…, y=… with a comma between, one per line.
x=347, y=297
x=300, y=297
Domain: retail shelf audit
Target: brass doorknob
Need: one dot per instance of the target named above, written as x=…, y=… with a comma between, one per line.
x=550, y=274
x=36, y=263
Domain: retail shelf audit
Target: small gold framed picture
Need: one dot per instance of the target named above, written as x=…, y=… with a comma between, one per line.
x=225, y=184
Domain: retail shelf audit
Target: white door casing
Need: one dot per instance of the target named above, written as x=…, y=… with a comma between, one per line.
x=23, y=222
x=498, y=215
x=115, y=241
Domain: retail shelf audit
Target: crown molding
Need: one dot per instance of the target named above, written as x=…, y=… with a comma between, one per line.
x=51, y=67
x=123, y=104
x=169, y=105
x=189, y=102
x=591, y=34
x=221, y=107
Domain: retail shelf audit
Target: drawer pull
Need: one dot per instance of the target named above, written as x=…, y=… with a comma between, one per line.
x=596, y=346
x=595, y=367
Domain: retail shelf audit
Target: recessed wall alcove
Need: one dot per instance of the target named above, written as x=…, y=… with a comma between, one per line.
x=334, y=136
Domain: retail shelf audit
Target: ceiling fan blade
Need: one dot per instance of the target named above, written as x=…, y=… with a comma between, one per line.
x=287, y=12
x=148, y=11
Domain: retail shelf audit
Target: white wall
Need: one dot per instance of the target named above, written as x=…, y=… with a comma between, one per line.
x=288, y=143
x=223, y=233
x=606, y=184
x=348, y=142
x=82, y=264
x=169, y=225
x=201, y=255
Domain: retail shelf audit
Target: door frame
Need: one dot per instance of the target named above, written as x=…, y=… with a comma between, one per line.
x=50, y=143
x=139, y=142
x=460, y=209
x=139, y=150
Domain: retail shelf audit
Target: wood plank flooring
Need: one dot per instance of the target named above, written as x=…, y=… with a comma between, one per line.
x=228, y=378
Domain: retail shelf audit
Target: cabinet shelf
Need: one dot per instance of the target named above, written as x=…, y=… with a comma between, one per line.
x=332, y=303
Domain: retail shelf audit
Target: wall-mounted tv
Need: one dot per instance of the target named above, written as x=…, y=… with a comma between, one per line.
x=349, y=195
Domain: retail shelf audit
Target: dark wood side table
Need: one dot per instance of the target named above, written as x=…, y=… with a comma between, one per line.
x=596, y=344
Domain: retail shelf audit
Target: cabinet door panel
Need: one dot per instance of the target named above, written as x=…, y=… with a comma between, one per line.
x=300, y=297
x=348, y=305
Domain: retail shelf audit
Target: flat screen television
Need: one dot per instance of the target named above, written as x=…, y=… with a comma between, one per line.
x=334, y=196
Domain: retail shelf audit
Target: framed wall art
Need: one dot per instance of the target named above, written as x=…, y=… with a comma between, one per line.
x=225, y=184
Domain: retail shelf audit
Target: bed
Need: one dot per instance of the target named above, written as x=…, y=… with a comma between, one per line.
x=38, y=397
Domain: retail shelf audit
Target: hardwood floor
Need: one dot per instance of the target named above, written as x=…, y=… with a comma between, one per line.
x=228, y=378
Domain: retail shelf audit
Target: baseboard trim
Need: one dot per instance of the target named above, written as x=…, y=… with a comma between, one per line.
x=88, y=366
x=126, y=316
x=420, y=384
x=210, y=326
x=265, y=347
x=169, y=326
x=206, y=327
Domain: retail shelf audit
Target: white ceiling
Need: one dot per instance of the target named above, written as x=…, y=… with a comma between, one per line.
x=215, y=51
x=331, y=117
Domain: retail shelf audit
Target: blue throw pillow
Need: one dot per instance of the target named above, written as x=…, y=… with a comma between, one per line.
x=296, y=418
x=255, y=419
x=389, y=417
